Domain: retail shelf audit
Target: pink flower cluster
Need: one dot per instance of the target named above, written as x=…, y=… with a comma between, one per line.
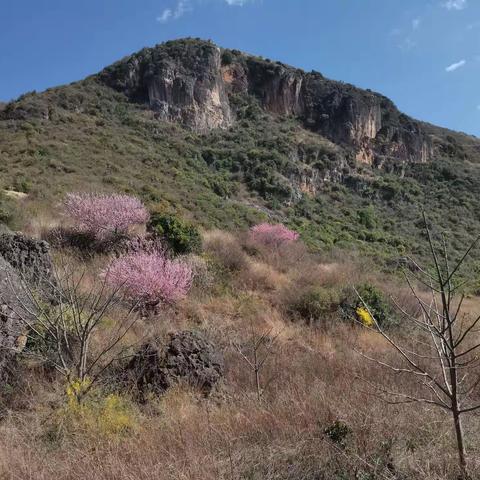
x=150, y=278
x=272, y=235
x=103, y=215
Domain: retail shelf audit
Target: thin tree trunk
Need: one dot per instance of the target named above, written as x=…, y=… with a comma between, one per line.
x=460, y=444
x=257, y=383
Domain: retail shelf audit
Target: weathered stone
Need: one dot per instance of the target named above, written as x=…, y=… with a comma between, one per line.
x=180, y=84
x=16, y=312
x=188, y=356
x=29, y=257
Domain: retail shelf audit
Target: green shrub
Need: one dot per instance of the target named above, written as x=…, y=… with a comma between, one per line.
x=181, y=236
x=227, y=57
x=366, y=217
x=376, y=302
x=338, y=433
x=6, y=210
x=314, y=304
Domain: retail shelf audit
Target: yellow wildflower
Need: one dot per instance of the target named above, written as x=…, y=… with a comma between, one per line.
x=364, y=316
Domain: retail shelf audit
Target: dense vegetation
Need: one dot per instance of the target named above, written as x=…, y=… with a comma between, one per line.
x=88, y=136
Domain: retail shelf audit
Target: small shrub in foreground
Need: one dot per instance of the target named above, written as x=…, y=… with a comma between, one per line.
x=103, y=216
x=338, y=433
x=107, y=417
x=150, y=278
x=272, y=235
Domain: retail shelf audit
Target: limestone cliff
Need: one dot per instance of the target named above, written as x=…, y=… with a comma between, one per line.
x=192, y=81
x=180, y=84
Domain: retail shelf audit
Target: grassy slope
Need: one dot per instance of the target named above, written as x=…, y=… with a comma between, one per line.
x=94, y=139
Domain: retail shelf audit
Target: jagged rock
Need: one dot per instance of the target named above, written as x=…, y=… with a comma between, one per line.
x=16, y=312
x=29, y=257
x=22, y=261
x=181, y=83
x=189, y=81
x=187, y=356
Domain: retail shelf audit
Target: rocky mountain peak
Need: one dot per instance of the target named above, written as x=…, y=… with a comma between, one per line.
x=192, y=82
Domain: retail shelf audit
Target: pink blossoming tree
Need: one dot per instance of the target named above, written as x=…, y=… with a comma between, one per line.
x=272, y=235
x=150, y=278
x=103, y=215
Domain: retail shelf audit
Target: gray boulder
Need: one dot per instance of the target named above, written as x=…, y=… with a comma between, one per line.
x=187, y=356
x=29, y=257
x=16, y=312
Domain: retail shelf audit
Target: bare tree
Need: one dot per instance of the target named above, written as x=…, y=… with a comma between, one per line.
x=441, y=352
x=256, y=353
x=62, y=320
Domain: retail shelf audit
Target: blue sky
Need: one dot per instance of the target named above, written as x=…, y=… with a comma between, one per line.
x=423, y=54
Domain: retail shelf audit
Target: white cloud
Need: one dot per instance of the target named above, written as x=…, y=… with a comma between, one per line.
x=407, y=41
x=455, y=4
x=407, y=44
x=182, y=7
x=455, y=66
x=165, y=16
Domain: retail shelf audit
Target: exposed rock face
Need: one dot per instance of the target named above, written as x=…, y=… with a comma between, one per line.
x=187, y=356
x=190, y=81
x=180, y=85
x=15, y=306
x=22, y=261
x=29, y=257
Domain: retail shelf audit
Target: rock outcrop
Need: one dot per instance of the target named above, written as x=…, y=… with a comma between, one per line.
x=181, y=82
x=16, y=308
x=187, y=356
x=192, y=82
x=25, y=265
x=29, y=257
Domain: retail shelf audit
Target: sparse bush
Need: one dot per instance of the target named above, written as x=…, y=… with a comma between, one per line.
x=104, y=216
x=314, y=305
x=150, y=278
x=181, y=236
x=226, y=250
x=6, y=210
x=261, y=276
x=338, y=433
x=99, y=416
x=272, y=235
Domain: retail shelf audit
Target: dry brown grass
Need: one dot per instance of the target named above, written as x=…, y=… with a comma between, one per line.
x=226, y=249
x=312, y=378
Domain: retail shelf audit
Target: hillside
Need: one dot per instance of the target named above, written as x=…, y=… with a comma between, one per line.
x=200, y=259
x=227, y=138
